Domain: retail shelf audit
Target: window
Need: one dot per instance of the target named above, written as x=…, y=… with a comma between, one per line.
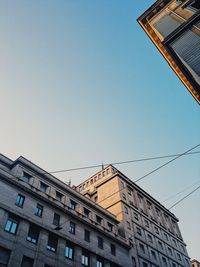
x=174, y=241
x=39, y=210
x=170, y=251
x=150, y=238
x=85, y=258
x=26, y=177
x=164, y=260
x=113, y=249
x=33, y=234
x=4, y=256
x=160, y=244
x=144, y=264
x=131, y=203
x=126, y=209
x=87, y=235
x=43, y=187
x=142, y=248
x=166, y=236
x=178, y=256
x=130, y=191
x=86, y=212
x=27, y=262
x=52, y=243
x=11, y=225
x=98, y=219
x=72, y=205
x=153, y=254
x=156, y=230
x=56, y=219
x=174, y=264
x=124, y=196
x=100, y=242
x=136, y=216
x=59, y=196
x=139, y=231
x=69, y=251
x=99, y=262
x=72, y=228
x=110, y=227
x=146, y=223
x=20, y=200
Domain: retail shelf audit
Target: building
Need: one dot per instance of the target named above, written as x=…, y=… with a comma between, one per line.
x=151, y=229
x=195, y=263
x=45, y=223
x=174, y=28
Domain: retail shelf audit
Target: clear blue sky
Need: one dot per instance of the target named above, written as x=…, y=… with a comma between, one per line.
x=81, y=83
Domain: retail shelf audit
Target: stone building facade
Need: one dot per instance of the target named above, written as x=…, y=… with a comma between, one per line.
x=151, y=229
x=45, y=223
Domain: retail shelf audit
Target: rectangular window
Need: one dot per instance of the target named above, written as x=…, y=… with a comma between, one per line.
x=39, y=210
x=139, y=231
x=27, y=262
x=69, y=251
x=142, y=248
x=72, y=228
x=153, y=254
x=125, y=209
x=59, y=196
x=170, y=251
x=33, y=234
x=99, y=262
x=11, y=225
x=85, y=258
x=26, y=177
x=86, y=212
x=164, y=260
x=160, y=244
x=136, y=216
x=110, y=227
x=146, y=223
x=112, y=249
x=72, y=205
x=100, y=242
x=124, y=196
x=20, y=200
x=52, y=243
x=4, y=256
x=150, y=238
x=56, y=219
x=128, y=225
x=87, y=235
x=98, y=219
x=43, y=187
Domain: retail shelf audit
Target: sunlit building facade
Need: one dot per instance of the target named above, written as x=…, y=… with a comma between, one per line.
x=151, y=229
x=195, y=263
x=174, y=27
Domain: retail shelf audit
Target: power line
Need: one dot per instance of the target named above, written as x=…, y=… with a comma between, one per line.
x=182, y=191
x=165, y=164
x=176, y=203
x=124, y=162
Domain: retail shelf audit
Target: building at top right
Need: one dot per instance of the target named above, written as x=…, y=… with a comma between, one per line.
x=174, y=28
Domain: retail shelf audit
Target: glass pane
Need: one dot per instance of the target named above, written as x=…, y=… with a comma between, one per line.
x=171, y=17
x=187, y=48
x=8, y=226
x=13, y=228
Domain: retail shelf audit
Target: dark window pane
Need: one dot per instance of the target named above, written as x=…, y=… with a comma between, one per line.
x=27, y=262
x=33, y=234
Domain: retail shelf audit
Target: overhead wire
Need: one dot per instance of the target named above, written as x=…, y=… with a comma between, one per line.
x=124, y=162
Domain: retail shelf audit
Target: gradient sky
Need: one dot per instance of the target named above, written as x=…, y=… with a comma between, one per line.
x=81, y=83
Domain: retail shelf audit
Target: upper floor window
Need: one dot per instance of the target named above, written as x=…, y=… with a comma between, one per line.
x=110, y=227
x=125, y=209
x=99, y=262
x=59, y=196
x=52, y=243
x=11, y=225
x=164, y=260
x=39, y=210
x=33, y=234
x=100, y=242
x=85, y=258
x=72, y=205
x=139, y=231
x=124, y=196
x=72, y=228
x=20, y=200
x=27, y=262
x=69, y=251
x=142, y=248
x=87, y=235
x=26, y=177
x=43, y=187
x=56, y=219
x=86, y=212
x=113, y=249
x=150, y=238
x=146, y=223
x=98, y=219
